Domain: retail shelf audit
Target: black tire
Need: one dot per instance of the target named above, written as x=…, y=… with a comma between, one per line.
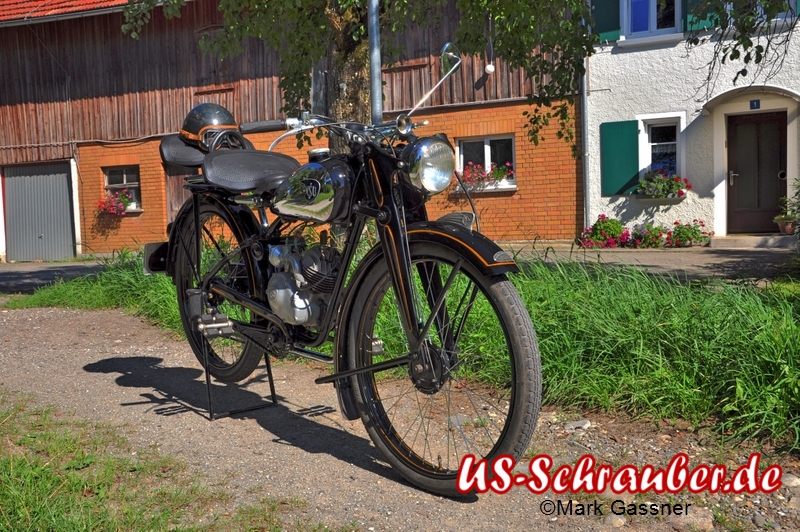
x=489, y=403
x=229, y=359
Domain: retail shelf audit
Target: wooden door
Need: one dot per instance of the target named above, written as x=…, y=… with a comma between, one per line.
x=756, y=159
x=176, y=194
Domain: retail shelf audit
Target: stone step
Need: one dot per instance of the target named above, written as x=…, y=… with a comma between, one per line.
x=754, y=241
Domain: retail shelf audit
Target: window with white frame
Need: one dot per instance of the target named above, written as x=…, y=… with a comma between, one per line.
x=660, y=144
x=789, y=13
x=792, y=12
x=487, y=162
x=663, y=141
x=652, y=17
x=124, y=180
x=757, y=10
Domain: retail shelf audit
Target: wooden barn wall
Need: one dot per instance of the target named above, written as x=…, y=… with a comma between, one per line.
x=82, y=79
x=415, y=70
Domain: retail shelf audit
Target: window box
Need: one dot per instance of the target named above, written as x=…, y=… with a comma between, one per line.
x=487, y=188
x=659, y=201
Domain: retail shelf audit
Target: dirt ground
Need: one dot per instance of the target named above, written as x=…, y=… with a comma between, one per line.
x=109, y=366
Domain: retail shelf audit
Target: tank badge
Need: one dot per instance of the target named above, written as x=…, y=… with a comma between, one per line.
x=312, y=188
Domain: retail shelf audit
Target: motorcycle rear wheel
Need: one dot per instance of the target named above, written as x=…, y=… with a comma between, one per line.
x=485, y=349
x=234, y=358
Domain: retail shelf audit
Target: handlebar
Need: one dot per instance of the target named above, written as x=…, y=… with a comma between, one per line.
x=266, y=126
x=292, y=126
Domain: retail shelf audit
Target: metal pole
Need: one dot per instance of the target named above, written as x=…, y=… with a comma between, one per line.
x=376, y=88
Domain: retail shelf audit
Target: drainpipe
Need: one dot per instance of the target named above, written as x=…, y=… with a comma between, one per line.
x=76, y=205
x=585, y=139
x=2, y=221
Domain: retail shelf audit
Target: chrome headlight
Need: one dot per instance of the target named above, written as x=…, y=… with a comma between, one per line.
x=431, y=164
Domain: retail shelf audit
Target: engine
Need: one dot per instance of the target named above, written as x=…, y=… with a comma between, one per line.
x=300, y=289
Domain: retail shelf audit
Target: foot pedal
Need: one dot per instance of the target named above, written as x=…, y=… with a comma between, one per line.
x=215, y=325
x=211, y=325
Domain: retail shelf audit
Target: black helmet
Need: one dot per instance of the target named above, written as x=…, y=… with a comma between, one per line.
x=204, y=122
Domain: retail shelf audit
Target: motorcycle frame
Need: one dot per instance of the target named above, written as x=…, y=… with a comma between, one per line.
x=380, y=190
x=399, y=209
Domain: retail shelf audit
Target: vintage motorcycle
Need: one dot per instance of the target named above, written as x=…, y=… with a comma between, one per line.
x=432, y=346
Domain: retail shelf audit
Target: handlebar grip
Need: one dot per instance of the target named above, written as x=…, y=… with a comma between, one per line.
x=263, y=126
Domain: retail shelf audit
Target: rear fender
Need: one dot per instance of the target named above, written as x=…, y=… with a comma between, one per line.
x=486, y=256
x=240, y=216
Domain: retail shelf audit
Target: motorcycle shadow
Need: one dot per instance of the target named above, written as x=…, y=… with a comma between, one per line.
x=177, y=390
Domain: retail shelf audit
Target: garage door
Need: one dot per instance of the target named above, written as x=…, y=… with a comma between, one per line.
x=38, y=206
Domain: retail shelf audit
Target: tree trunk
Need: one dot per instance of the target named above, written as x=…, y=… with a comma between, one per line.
x=347, y=81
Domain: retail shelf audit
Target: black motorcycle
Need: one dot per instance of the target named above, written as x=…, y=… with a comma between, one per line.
x=431, y=344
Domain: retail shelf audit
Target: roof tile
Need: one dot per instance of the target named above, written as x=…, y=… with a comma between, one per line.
x=11, y=10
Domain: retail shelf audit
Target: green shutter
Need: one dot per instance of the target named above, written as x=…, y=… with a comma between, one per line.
x=691, y=22
x=619, y=157
x=606, y=19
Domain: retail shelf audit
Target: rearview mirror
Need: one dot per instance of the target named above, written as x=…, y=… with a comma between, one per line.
x=450, y=59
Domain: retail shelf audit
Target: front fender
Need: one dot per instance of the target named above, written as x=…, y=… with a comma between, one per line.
x=486, y=256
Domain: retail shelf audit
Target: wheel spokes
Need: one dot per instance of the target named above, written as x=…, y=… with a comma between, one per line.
x=438, y=427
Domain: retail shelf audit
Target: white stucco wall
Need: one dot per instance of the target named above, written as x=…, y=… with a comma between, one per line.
x=627, y=82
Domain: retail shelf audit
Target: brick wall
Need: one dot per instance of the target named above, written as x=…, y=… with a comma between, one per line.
x=547, y=204
x=548, y=201
x=105, y=233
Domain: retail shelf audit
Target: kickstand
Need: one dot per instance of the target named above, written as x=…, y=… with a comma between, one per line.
x=211, y=415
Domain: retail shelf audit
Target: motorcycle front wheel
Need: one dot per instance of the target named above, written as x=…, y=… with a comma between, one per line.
x=474, y=386
x=232, y=358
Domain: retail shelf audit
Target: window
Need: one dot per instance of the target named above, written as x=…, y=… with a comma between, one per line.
x=660, y=144
x=488, y=162
x=663, y=140
x=652, y=17
x=124, y=178
x=630, y=148
x=790, y=13
x=754, y=9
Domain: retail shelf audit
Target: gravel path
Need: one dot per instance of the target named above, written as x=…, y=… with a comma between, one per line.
x=109, y=366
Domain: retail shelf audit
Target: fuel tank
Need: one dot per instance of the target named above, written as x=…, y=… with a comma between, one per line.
x=318, y=191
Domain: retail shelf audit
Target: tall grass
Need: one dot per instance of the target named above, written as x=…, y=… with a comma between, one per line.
x=610, y=337
x=121, y=284
x=618, y=338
